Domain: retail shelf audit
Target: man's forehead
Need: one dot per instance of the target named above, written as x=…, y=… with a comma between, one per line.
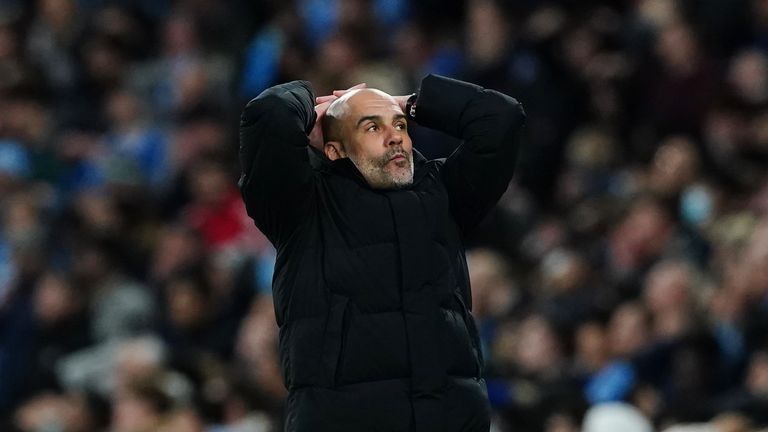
x=362, y=101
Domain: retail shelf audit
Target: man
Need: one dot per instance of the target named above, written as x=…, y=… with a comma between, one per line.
x=371, y=289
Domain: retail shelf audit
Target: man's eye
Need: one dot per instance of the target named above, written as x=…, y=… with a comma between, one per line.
x=400, y=126
x=372, y=128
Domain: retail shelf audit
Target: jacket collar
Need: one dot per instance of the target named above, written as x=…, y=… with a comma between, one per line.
x=346, y=168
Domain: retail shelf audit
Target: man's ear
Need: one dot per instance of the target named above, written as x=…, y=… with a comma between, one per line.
x=334, y=150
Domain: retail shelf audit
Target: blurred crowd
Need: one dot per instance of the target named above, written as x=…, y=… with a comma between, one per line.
x=621, y=284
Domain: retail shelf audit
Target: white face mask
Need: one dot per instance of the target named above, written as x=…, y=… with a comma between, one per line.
x=696, y=205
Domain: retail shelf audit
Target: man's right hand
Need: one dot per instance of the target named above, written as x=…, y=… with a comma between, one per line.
x=322, y=103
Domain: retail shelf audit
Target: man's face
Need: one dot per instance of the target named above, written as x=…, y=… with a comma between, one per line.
x=375, y=137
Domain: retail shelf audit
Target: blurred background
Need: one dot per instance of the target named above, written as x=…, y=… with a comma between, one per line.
x=620, y=285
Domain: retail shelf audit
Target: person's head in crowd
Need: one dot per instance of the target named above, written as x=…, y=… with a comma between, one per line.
x=752, y=271
x=96, y=214
x=658, y=13
x=197, y=132
x=137, y=360
x=669, y=297
x=189, y=299
x=489, y=32
x=104, y=62
x=591, y=149
x=257, y=347
x=119, y=23
x=591, y=347
x=124, y=110
x=629, y=330
x=56, y=299
x=257, y=332
x=748, y=76
x=355, y=13
x=759, y=132
x=146, y=360
x=494, y=292
x=358, y=18
x=23, y=219
x=415, y=48
x=178, y=247
x=641, y=236
x=10, y=56
x=675, y=165
x=189, y=79
x=369, y=127
x=537, y=351
x=341, y=53
x=69, y=412
x=191, y=88
x=183, y=420
x=210, y=182
x=142, y=406
x=732, y=422
x=181, y=35
x=760, y=16
x=756, y=379
x=95, y=261
x=726, y=422
x=563, y=271
x=60, y=16
x=678, y=49
x=561, y=422
x=27, y=119
x=579, y=47
x=240, y=403
x=23, y=231
x=42, y=412
x=759, y=201
x=543, y=238
x=724, y=131
x=545, y=23
x=730, y=235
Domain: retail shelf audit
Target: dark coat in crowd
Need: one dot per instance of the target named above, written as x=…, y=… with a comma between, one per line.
x=371, y=288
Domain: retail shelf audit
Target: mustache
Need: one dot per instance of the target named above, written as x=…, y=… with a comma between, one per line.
x=395, y=152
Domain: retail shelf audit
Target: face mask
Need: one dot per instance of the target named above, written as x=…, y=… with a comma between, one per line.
x=696, y=205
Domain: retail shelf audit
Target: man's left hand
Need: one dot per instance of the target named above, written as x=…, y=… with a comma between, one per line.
x=322, y=103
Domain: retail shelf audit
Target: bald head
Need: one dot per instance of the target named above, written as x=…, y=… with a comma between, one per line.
x=333, y=120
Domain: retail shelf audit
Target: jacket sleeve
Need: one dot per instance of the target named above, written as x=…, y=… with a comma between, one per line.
x=276, y=179
x=490, y=124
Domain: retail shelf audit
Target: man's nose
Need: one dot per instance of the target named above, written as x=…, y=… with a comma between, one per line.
x=395, y=136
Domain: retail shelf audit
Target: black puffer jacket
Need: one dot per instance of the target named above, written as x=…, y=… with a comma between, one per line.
x=371, y=289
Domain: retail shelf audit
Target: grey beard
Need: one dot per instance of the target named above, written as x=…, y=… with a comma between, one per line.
x=376, y=175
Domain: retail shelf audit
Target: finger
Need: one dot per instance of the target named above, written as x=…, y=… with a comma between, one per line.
x=322, y=99
x=322, y=108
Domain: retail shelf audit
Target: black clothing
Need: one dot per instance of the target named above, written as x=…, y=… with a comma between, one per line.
x=371, y=289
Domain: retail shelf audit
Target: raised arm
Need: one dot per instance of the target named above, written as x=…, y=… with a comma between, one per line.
x=490, y=125
x=276, y=180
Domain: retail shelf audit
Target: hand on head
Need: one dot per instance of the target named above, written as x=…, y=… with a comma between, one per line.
x=316, y=139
